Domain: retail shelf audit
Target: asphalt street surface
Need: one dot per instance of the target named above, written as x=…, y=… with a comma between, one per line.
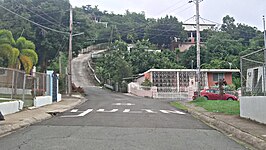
x=116, y=121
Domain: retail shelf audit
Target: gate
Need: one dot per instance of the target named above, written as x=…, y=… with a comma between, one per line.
x=54, y=94
x=171, y=93
x=253, y=74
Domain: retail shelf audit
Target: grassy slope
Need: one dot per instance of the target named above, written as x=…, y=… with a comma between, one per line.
x=179, y=106
x=220, y=106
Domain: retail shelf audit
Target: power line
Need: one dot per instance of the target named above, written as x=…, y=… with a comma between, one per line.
x=41, y=17
x=34, y=22
x=170, y=7
x=180, y=7
x=39, y=8
x=183, y=10
x=171, y=27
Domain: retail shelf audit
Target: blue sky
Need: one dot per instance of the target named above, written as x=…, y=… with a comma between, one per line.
x=249, y=12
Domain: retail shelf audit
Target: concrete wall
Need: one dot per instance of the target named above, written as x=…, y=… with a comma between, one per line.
x=9, y=107
x=253, y=108
x=42, y=101
x=138, y=90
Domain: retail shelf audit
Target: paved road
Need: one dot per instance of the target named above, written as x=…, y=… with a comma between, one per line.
x=113, y=121
x=117, y=121
x=81, y=75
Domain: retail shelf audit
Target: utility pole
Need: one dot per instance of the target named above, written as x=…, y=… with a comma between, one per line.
x=198, y=45
x=70, y=52
x=60, y=63
x=264, y=31
x=264, y=68
x=198, y=41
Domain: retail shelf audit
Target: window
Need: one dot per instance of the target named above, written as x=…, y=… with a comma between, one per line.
x=218, y=76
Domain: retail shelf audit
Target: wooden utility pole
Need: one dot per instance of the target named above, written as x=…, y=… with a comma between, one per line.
x=264, y=68
x=70, y=52
x=198, y=45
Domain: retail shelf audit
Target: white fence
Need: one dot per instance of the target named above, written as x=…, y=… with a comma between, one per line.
x=161, y=92
x=173, y=93
x=143, y=91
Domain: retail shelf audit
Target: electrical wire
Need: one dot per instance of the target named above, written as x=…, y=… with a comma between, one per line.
x=34, y=22
x=170, y=7
x=41, y=17
x=39, y=8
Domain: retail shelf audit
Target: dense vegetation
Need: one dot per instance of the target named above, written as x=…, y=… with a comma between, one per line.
x=223, y=45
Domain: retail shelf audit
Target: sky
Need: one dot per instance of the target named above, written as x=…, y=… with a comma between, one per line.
x=248, y=12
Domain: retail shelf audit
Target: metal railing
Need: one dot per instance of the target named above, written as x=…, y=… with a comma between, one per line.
x=17, y=85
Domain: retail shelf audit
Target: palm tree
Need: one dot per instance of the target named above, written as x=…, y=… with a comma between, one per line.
x=13, y=53
x=8, y=53
x=28, y=57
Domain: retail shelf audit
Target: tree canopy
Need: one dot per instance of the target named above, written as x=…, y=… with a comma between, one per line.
x=223, y=45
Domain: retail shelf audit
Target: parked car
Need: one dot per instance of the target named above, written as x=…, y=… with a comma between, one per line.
x=214, y=94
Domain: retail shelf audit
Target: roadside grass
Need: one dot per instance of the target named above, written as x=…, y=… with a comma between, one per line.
x=2, y=101
x=179, y=106
x=28, y=99
x=218, y=106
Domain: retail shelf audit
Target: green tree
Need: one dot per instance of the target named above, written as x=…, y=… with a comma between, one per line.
x=164, y=30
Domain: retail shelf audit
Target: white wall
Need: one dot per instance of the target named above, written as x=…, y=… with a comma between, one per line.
x=42, y=101
x=9, y=107
x=254, y=108
x=136, y=89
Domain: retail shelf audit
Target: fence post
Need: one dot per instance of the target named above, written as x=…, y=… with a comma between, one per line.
x=24, y=86
x=34, y=86
x=43, y=84
x=241, y=76
x=264, y=78
x=13, y=82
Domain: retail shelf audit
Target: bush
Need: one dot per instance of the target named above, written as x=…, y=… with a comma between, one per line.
x=146, y=82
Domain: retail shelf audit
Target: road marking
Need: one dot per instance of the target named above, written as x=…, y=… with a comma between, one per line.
x=74, y=110
x=172, y=111
x=126, y=111
x=85, y=112
x=111, y=111
x=149, y=111
x=136, y=112
x=70, y=116
x=123, y=104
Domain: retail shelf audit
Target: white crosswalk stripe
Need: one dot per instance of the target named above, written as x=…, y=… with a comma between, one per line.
x=139, y=111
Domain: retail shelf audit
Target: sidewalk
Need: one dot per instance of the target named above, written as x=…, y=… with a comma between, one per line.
x=245, y=130
x=27, y=117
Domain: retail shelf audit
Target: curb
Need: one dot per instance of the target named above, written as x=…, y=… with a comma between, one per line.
x=237, y=133
x=6, y=129
x=25, y=123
